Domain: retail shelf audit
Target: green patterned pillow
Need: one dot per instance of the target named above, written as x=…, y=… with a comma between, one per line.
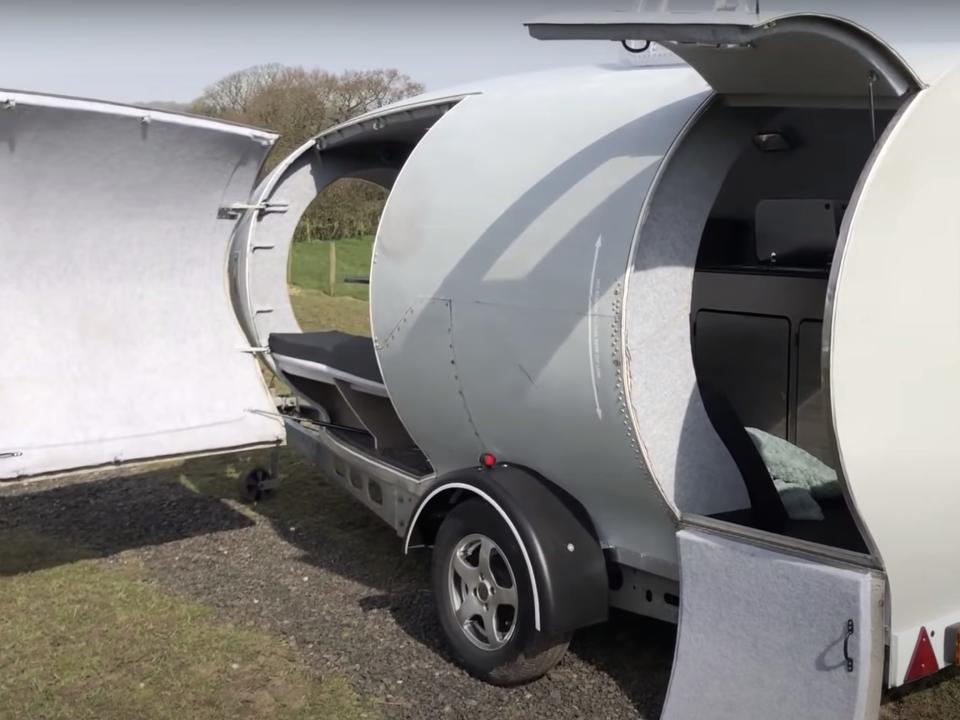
x=796, y=467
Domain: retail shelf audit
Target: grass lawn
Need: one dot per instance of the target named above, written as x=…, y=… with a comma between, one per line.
x=87, y=639
x=348, y=309
x=310, y=265
x=315, y=310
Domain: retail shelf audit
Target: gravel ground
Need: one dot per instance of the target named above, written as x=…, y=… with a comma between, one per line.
x=323, y=573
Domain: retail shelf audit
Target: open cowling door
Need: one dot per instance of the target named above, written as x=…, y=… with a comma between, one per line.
x=893, y=357
x=748, y=56
x=767, y=632
x=120, y=341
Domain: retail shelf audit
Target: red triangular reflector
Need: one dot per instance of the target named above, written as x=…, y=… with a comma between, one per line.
x=924, y=660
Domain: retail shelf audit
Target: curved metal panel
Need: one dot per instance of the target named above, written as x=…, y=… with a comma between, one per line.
x=518, y=212
x=121, y=342
x=261, y=250
x=894, y=363
x=354, y=149
x=802, y=54
x=918, y=36
x=921, y=32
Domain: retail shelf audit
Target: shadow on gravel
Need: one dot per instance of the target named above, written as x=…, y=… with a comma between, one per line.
x=636, y=652
x=109, y=516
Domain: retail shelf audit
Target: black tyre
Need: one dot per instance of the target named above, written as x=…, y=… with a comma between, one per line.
x=254, y=485
x=485, y=600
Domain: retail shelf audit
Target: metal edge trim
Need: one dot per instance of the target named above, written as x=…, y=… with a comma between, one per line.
x=826, y=343
x=802, y=548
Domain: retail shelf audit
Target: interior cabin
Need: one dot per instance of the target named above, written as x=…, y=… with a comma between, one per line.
x=763, y=266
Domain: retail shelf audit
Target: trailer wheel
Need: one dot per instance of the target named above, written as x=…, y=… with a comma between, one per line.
x=255, y=484
x=485, y=599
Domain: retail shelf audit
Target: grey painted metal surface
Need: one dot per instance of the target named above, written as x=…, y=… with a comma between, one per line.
x=390, y=493
x=323, y=373
x=116, y=314
x=261, y=250
x=496, y=288
x=645, y=593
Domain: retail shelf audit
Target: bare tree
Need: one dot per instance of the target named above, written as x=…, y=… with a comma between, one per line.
x=229, y=97
x=354, y=93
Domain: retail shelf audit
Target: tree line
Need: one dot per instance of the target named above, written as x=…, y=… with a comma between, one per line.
x=299, y=103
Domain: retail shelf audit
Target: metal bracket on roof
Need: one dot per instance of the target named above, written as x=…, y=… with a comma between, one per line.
x=236, y=210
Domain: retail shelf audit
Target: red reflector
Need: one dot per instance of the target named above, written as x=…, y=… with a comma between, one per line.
x=488, y=460
x=924, y=660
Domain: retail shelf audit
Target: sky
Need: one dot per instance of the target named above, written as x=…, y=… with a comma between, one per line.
x=137, y=50
x=153, y=50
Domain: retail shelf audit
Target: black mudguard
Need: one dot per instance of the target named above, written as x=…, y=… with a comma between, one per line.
x=569, y=569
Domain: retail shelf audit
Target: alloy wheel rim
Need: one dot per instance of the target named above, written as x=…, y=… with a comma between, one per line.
x=483, y=592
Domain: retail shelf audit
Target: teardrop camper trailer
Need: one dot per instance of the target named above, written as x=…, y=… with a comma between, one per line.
x=586, y=286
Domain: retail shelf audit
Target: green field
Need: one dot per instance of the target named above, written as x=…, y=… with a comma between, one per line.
x=310, y=265
x=348, y=308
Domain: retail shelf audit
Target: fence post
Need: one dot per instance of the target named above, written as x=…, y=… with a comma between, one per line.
x=333, y=267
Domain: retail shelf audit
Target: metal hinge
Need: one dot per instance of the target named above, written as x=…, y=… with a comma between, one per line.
x=236, y=210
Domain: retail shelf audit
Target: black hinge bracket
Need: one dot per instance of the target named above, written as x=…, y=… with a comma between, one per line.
x=236, y=210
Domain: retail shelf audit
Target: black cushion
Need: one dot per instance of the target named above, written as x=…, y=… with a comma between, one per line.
x=352, y=354
x=768, y=510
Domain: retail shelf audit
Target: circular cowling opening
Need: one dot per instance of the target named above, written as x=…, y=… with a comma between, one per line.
x=328, y=268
